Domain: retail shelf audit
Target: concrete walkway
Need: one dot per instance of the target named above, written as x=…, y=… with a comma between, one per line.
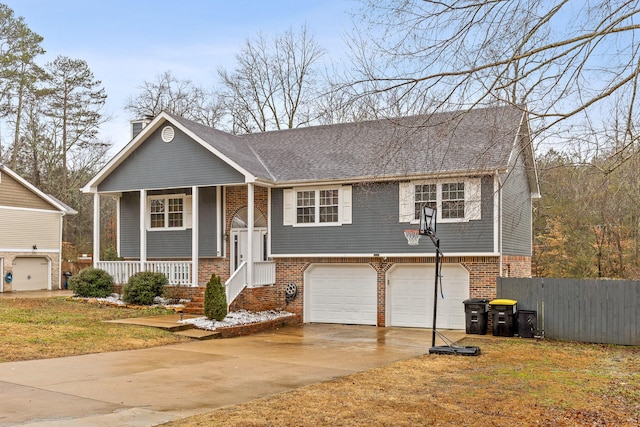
x=157, y=385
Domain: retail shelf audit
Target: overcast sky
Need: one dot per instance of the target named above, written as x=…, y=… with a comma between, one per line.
x=127, y=42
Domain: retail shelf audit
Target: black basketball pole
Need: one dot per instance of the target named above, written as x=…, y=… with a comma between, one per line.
x=436, y=242
x=428, y=221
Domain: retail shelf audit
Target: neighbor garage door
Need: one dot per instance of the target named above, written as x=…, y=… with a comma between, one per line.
x=410, y=296
x=30, y=273
x=341, y=294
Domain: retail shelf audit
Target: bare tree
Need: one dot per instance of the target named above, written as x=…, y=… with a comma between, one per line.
x=561, y=61
x=180, y=97
x=274, y=83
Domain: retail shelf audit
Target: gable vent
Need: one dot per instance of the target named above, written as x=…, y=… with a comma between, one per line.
x=167, y=134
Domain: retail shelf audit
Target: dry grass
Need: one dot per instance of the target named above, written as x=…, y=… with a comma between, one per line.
x=514, y=382
x=55, y=327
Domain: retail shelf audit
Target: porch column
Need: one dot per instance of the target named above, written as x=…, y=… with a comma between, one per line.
x=195, y=227
x=250, y=220
x=143, y=231
x=96, y=229
x=118, y=225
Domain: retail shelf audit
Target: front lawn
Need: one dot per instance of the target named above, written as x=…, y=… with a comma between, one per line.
x=514, y=382
x=35, y=328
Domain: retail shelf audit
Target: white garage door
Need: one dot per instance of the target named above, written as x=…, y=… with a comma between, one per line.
x=30, y=274
x=410, y=296
x=341, y=294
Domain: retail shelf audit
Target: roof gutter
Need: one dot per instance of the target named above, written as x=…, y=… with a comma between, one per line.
x=370, y=179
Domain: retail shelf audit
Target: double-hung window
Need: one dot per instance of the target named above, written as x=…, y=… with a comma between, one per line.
x=455, y=200
x=425, y=194
x=452, y=200
x=305, y=207
x=167, y=211
x=317, y=206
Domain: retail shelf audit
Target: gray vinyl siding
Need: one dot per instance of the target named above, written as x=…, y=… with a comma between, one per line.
x=130, y=225
x=376, y=228
x=207, y=239
x=168, y=243
x=516, y=212
x=180, y=163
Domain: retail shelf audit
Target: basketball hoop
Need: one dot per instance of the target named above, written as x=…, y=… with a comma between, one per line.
x=413, y=237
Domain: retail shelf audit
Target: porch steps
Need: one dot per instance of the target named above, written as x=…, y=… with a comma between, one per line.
x=165, y=322
x=170, y=323
x=199, y=334
x=196, y=305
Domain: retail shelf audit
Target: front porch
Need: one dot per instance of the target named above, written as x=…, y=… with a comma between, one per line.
x=179, y=273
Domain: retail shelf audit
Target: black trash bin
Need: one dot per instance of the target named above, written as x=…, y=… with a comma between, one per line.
x=527, y=323
x=476, y=312
x=503, y=316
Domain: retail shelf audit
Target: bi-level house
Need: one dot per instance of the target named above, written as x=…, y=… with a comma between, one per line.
x=312, y=220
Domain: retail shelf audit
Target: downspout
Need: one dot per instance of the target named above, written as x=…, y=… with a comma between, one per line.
x=60, y=254
x=499, y=222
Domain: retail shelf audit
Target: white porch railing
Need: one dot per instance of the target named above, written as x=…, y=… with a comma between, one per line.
x=177, y=272
x=264, y=273
x=236, y=283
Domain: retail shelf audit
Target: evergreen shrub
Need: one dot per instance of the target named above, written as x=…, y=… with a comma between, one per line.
x=215, y=299
x=143, y=287
x=91, y=283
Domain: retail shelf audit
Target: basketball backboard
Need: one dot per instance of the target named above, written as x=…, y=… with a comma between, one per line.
x=427, y=221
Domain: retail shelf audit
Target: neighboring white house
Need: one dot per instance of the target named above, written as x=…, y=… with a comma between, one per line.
x=30, y=235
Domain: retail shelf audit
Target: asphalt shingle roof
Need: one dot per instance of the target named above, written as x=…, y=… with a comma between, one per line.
x=454, y=142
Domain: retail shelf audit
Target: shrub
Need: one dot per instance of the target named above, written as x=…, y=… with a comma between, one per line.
x=91, y=283
x=172, y=294
x=215, y=299
x=143, y=287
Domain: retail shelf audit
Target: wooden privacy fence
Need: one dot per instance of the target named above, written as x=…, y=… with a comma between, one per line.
x=586, y=310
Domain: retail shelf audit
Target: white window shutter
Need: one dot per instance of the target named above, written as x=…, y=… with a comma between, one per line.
x=473, y=199
x=288, y=206
x=188, y=211
x=346, y=204
x=407, y=202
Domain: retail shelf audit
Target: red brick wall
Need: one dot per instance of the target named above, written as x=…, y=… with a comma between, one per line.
x=516, y=266
x=482, y=276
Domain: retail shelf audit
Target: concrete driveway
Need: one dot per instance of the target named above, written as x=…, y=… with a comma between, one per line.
x=153, y=386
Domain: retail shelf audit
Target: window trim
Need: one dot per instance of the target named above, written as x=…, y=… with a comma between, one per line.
x=472, y=199
x=186, y=212
x=316, y=208
x=290, y=206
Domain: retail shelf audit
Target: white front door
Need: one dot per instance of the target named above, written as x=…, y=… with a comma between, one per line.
x=240, y=247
